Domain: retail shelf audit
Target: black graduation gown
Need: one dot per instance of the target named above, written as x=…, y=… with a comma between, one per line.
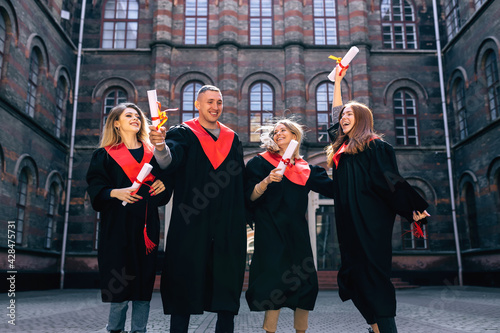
x=126, y=272
x=369, y=192
x=282, y=271
x=206, y=243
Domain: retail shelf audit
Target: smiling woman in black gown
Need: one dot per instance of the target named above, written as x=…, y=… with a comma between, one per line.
x=282, y=272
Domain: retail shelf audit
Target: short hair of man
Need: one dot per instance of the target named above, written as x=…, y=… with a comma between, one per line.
x=206, y=88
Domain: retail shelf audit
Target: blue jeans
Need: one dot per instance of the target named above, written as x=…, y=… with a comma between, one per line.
x=118, y=315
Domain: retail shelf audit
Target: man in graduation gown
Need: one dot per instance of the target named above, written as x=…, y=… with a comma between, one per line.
x=206, y=243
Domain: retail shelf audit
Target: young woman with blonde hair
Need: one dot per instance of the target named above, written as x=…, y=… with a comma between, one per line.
x=128, y=234
x=368, y=193
x=282, y=271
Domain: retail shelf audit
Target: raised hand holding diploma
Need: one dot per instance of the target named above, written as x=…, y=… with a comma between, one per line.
x=343, y=63
x=158, y=117
x=285, y=160
x=146, y=169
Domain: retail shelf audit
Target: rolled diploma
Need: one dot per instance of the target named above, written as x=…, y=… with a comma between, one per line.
x=287, y=155
x=146, y=169
x=153, y=106
x=346, y=60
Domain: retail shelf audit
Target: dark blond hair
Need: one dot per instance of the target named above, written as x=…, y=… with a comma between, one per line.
x=271, y=146
x=361, y=133
x=111, y=135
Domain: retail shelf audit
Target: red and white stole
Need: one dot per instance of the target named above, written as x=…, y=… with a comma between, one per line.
x=297, y=173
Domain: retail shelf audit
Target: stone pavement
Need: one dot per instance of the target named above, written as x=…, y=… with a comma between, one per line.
x=442, y=309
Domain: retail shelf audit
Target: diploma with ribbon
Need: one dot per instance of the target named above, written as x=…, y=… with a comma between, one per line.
x=146, y=169
x=344, y=62
x=285, y=160
x=157, y=116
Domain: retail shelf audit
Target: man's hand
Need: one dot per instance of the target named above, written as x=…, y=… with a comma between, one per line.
x=157, y=138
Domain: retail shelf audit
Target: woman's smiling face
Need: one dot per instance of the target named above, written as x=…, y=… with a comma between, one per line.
x=282, y=136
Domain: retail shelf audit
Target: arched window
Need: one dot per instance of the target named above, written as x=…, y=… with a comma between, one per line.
x=325, y=22
x=3, y=35
x=261, y=108
x=324, y=98
x=398, y=24
x=53, y=199
x=471, y=214
x=493, y=84
x=61, y=94
x=114, y=97
x=189, y=94
x=405, y=118
x=120, y=24
x=22, y=199
x=452, y=13
x=261, y=22
x=196, y=22
x=32, y=84
x=459, y=106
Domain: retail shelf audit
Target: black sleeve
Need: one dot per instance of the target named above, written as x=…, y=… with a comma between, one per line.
x=333, y=132
x=320, y=182
x=177, y=140
x=255, y=173
x=164, y=197
x=99, y=181
x=395, y=190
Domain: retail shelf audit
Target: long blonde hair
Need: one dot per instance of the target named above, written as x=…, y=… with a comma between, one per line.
x=111, y=135
x=361, y=133
x=267, y=136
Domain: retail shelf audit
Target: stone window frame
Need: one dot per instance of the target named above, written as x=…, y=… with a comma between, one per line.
x=459, y=107
x=405, y=116
x=128, y=21
x=261, y=110
x=260, y=19
x=404, y=24
x=469, y=182
x=493, y=88
x=194, y=111
x=53, y=191
x=325, y=19
x=200, y=21
x=451, y=10
x=25, y=166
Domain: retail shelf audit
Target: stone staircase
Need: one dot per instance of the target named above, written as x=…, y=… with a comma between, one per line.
x=327, y=281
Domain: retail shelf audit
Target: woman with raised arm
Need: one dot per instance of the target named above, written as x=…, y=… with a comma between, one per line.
x=282, y=271
x=368, y=193
x=130, y=226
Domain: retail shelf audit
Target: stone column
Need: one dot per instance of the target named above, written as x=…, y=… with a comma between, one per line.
x=358, y=32
x=227, y=82
x=295, y=87
x=161, y=49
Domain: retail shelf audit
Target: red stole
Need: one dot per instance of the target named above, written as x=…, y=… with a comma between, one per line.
x=341, y=150
x=216, y=151
x=297, y=173
x=132, y=168
x=128, y=163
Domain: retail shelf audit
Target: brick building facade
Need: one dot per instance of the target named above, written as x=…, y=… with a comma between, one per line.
x=270, y=59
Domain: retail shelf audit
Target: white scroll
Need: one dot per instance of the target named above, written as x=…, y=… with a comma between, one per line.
x=146, y=169
x=287, y=156
x=153, y=107
x=346, y=60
